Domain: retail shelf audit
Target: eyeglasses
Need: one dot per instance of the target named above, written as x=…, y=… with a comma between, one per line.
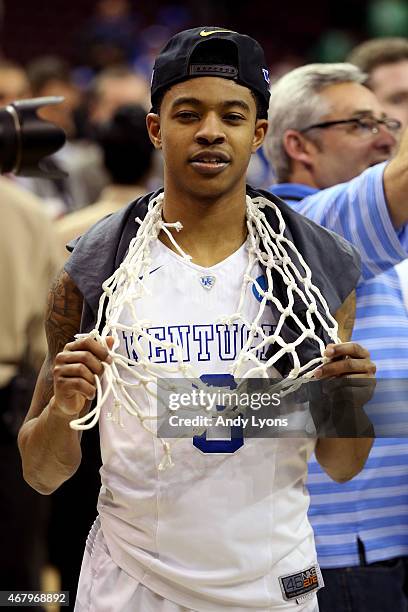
x=363, y=126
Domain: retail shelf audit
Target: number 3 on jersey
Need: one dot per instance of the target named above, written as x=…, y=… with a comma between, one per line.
x=220, y=446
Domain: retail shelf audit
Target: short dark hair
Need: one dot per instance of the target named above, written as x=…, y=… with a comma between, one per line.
x=378, y=51
x=126, y=146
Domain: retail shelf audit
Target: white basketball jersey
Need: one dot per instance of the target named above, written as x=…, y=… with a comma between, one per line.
x=219, y=528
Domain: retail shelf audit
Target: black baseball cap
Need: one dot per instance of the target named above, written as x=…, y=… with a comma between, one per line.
x=212, y=51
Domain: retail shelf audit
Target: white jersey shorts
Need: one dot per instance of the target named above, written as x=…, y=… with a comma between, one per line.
x=105, y=587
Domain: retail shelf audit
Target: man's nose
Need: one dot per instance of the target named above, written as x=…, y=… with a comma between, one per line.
x=210, y=130
x=385, y=139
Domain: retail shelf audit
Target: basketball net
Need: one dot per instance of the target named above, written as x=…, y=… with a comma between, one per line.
x=126, y=286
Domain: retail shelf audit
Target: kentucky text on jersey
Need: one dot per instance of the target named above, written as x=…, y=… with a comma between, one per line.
x=202, y=342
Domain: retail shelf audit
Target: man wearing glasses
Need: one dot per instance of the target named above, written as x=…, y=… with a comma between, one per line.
x=327, y=136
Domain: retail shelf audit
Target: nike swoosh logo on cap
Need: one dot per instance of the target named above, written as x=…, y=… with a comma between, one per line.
x=209, y=32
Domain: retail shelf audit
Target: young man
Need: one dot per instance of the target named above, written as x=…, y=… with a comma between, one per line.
x=226, y=528
x=326, y=127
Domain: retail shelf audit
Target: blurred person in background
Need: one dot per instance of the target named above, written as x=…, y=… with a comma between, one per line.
x=104, y=94
x=109, y=38
x=327, y=136
x=385, y=61
x=128, y=154
x=29, y=262
x=113, y=88
x=14, y=84
x=50, y=76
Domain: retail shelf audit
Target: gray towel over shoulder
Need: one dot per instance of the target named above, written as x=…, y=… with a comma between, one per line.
x=334, y=263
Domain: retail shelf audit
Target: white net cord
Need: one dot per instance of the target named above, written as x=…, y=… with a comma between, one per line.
x=126, y=286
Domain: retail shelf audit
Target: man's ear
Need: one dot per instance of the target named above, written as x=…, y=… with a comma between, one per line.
x=298, y=147
x=261, y=127
x=153, y=128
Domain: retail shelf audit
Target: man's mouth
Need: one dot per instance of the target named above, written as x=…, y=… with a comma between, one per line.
x=209, y=163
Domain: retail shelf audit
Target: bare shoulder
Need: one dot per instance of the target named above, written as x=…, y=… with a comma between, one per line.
x=345, y=317
x=62, y=322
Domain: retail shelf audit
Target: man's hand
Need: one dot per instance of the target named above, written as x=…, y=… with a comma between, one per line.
x=74, y=374
x=50, y=449
x=343, y=457
x=395, y=181
x=346, y=359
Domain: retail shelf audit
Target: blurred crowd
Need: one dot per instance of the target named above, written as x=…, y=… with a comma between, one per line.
x=109, y=161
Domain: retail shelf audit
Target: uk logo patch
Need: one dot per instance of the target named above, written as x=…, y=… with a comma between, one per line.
x=266, y=75
x=207, y=281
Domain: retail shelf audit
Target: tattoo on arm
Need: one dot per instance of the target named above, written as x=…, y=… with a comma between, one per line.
x=62, y=322
x=63, y=314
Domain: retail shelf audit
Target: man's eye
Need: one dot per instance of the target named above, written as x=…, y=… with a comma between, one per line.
x=186, y=115
x=399, y=98
x=235, y=117
x=369, y=126
x=361, y=125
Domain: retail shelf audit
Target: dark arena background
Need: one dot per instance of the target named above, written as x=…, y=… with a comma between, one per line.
x=289, y=32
